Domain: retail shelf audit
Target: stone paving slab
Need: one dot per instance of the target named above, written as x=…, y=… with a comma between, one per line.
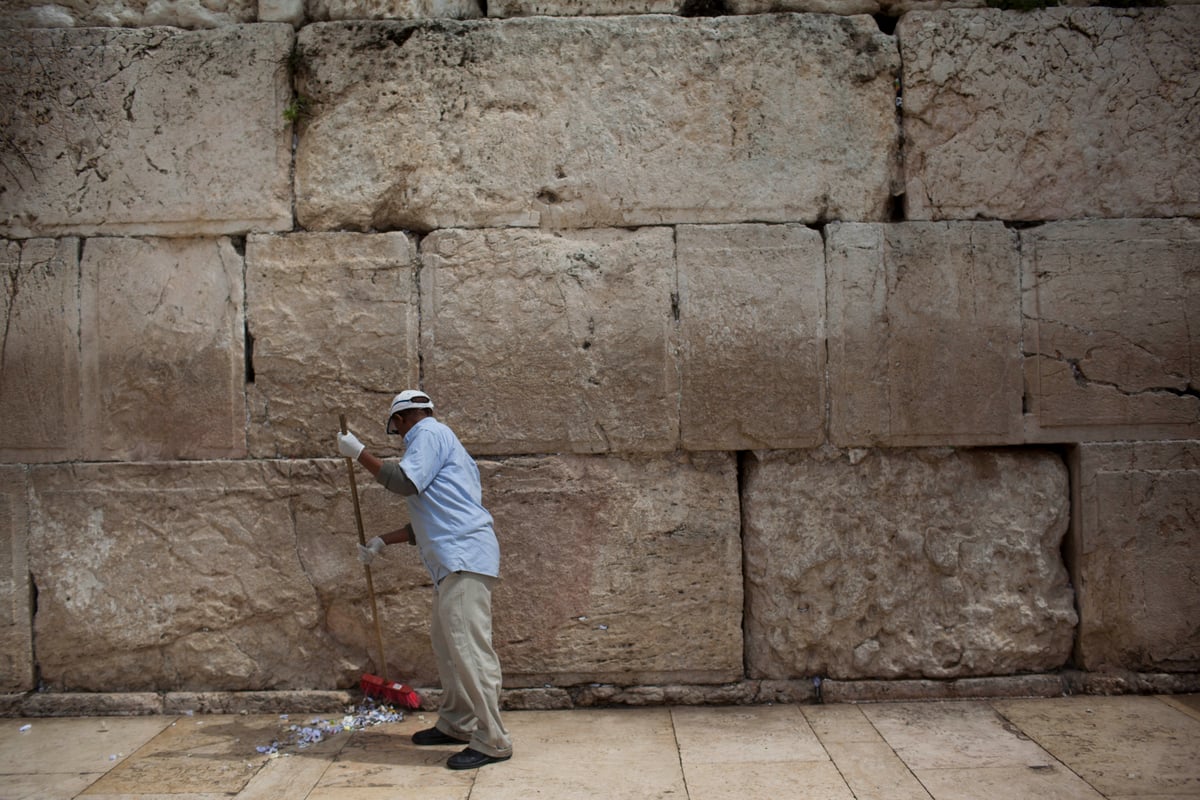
x=868, y=764
x=1073, y=748
x=954, y=736
x=1156, y=752
x=1044, y=782
x=60, y=758
x=195, y=756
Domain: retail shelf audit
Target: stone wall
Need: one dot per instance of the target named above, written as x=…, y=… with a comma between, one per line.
x=793, y=343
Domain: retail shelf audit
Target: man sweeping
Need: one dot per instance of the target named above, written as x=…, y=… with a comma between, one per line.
x=454, y=533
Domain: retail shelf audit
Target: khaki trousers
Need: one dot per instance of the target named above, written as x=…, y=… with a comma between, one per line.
x=469, y=669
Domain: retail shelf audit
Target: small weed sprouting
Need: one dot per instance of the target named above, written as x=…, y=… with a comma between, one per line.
x=297, y=110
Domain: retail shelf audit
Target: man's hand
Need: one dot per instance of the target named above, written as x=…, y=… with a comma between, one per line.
x=349, y=445
x=367, y=553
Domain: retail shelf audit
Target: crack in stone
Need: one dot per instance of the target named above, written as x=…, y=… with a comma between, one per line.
x=1082, y=380
x=10, y=305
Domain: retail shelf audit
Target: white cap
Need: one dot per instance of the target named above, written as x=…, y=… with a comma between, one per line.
x=409, y=398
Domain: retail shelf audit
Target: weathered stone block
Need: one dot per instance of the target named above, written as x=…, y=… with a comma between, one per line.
x=151, y=131
x=189, y=576
x=575, y=8
x=1065, y=113
x=289, y=11
x=272, y=702
x=333, y=323
x=546, y=698
x=906, y=564
x=16, y=600
x=804, y=6
x=163, y=353
x=1022, y=686
x=326, y=541
x=92, y=704
x=619, y=570
x=581, y=8
x=924, y=334
x=39, y=339
x=393, y=9
x=612, y=569
x=243, y=576
x=1136, y=565
x=1110, y=310
x=752, y=350
x=594, y=122
x=535, y=342
x=125, y=13
x=1114, y=682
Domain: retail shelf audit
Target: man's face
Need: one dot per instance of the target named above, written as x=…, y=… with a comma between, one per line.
x=403, y=421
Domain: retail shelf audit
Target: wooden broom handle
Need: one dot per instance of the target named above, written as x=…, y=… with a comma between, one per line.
x=362, y=539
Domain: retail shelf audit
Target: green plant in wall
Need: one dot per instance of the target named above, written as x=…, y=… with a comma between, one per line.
x=297, y=110
x=294, y=64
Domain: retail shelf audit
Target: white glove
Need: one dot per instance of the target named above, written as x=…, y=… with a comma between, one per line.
x=349, y=445
x=367, y=553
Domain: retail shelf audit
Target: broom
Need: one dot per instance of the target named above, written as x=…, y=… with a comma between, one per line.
x=376, y=685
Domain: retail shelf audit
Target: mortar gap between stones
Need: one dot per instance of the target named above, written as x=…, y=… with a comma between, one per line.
x=1069, y=453
x=742, y=457
x=33, y=606
x=886, y=23
x=418, y=246
x=249, y=350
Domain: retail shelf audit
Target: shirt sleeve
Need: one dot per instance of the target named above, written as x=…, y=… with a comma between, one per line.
x=392, y=478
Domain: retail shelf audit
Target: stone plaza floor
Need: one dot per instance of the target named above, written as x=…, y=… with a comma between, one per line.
x=1071, y=748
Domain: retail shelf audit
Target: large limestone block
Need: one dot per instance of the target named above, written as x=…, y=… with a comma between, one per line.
x=290, y=11
x=326, y=539
x=906, y=564
x=162, y=329
x=581, y=8
x=752, y=349
x=534, y=342
x=1136, y=564
x=617, y=570
x=125, y=13
x=806, y=6
x=594, y=122
x=242, y=576
x=700, y=8
x=333, y=323
x=39, y=340
x=180, y=577
x=924, y=334
x=16, y=598
x=623, y=570
x=320, y=10
x=1110, y=328
x=152, y=131
x=1058, y=114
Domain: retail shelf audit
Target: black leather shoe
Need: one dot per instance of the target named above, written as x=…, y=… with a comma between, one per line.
x=472, y=759
x=431, y=736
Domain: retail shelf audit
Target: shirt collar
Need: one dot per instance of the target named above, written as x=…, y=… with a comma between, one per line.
x=413, y=430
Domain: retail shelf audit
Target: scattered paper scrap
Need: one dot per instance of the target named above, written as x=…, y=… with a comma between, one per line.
x=300, y=737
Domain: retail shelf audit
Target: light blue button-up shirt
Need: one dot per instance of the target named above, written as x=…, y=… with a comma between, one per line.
x=453, y=530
